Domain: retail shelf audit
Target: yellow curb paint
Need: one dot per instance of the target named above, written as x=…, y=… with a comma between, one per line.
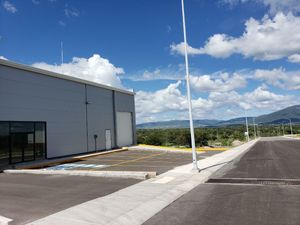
x=184, y=149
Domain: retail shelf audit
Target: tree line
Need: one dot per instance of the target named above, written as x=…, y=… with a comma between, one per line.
x=215, y=136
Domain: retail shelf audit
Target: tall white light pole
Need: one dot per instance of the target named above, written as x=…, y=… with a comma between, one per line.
x=254, y=128
x=247, y=125
x=291, y=126
x=62, y=52
x=195, y=166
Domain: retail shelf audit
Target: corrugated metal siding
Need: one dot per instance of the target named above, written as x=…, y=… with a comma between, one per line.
x=24, y=96
x=100, y=116
x=28, y=96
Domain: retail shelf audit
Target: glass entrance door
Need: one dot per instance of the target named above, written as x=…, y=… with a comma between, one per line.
x=22, y=142
x=22, y=147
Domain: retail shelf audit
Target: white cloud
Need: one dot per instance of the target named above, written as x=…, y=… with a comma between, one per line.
x=2, y=57
x=294, y=58
x=261, y=97
x=165, y=104
x=267, y=39
x=282, y=5
x=224, y=82
x=280, y=78
x=167, y=99
x=219, y=80
x=169, y=29
x=61, y=23
x=95, y=68
x=171, y=72
x=9, y=7
x=36, y=2
x=71, y=12
x=179, y=48
x=170, y=103
x=273, y=5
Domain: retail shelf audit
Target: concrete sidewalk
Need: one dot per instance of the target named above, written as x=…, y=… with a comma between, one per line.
x=137, y=203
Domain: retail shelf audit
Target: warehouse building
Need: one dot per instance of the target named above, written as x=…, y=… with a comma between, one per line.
x=46, y=115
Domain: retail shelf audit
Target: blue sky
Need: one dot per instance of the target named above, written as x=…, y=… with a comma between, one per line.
x=244, y=54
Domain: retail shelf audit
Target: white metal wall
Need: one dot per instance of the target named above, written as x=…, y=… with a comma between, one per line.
x=124, y=129
x=26, y=96
x=100, y=116
x=74, y=112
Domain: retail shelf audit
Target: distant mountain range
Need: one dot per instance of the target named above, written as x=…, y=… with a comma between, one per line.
x=278, y=117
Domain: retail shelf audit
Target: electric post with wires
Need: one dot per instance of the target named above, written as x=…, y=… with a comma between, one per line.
x=195, y=165
x=254, y=128
x=291, y=127
x=247, y=132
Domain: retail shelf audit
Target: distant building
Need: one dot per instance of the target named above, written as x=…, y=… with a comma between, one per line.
x=46, y=115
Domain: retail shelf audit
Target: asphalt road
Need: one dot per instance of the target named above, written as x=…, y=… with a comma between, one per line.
x=244, y=204
x=269, y=158
x=25, y=198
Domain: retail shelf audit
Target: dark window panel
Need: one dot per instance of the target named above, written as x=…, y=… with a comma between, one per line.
x=4, y=143
x=40, y=141
x=22, y=127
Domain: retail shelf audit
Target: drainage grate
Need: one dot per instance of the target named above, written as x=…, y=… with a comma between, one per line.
x=261, y=181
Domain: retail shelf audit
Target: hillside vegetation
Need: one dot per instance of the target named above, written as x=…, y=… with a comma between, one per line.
x=278, y=117
x=221, y=136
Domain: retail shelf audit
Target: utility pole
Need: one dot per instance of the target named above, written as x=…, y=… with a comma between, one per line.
x=291, y=127
x=254, y=127
x=195, y=165
x=247, y=125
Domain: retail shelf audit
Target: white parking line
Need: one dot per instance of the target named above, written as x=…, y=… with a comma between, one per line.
x=5, y=220
x=70, y=166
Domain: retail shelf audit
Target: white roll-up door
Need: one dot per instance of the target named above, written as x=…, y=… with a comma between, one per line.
x=124, y=129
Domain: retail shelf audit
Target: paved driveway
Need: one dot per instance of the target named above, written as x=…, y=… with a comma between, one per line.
x=137, y=160
x=25, y=198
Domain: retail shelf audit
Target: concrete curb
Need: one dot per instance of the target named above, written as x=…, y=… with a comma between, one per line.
x=292, y=137
x=112, y=174
x=143, y=200
x=5, y=221
x=144, y=148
